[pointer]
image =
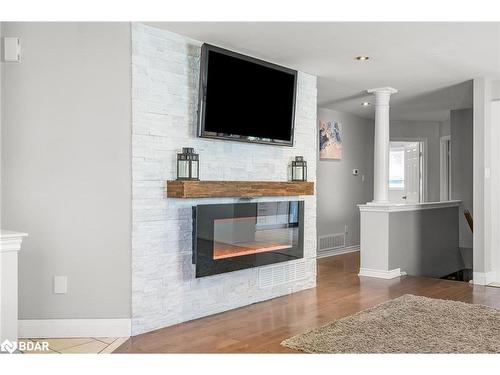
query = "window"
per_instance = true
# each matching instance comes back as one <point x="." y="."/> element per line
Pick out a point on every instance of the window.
<point x="397" y="168"/>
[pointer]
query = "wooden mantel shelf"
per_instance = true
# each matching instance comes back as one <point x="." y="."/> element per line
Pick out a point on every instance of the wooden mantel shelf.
<point x="244" y="189"/>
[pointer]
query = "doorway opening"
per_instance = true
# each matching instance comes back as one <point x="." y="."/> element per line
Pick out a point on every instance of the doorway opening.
<point x="407" y="172"/>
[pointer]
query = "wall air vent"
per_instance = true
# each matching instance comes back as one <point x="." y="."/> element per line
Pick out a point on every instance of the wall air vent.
<point x="331" y="242"/>
<point x="281" y="274"/>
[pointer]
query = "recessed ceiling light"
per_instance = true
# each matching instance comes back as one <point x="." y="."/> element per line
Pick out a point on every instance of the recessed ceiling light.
<point x="362" y="58"/>
<point x="366" y="104"/>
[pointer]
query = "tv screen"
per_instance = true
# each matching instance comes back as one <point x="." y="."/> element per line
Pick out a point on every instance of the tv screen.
<point x="245" y="99"/>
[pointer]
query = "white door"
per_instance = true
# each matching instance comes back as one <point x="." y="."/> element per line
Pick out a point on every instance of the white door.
<point x="405" y="180"/>
<point x="412" y="172"/>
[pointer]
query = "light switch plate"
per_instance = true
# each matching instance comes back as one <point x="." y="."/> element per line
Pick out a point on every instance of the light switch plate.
<point x="60" y="284"/>
<point x="11" y="49"/>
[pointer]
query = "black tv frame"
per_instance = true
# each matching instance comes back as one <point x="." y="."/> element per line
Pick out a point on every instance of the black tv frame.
<point x="205" y="49"/>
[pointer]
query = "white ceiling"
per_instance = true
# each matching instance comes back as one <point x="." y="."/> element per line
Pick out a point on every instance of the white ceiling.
<point x="427" y="62"/>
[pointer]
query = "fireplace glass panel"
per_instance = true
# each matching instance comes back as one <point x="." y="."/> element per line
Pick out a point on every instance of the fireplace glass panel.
<point x="272" y="229"/>
<point x="227" y="237"/>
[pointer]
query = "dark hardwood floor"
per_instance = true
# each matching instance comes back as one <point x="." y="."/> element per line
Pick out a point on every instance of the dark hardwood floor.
<point x="260" y="328"/>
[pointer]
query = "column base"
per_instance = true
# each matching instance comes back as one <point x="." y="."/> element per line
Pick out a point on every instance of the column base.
<point x="380" y="274"/>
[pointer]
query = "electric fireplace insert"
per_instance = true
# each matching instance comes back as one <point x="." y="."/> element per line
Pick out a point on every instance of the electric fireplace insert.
<point x="235" y="236"/>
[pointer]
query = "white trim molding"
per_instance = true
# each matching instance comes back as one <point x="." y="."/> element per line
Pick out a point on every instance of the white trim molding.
<point x="64" y="328"/>
<point x="444" y="168"/>
<point x="483" y="278"/>
<point x="380" y="274"/>
<point x="339" y="251"/>
<point x="398" y="207"/>
<point x="11" y="241"/>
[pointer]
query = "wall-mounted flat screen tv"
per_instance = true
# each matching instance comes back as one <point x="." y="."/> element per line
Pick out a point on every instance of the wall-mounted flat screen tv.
<point x="245" y="99"/>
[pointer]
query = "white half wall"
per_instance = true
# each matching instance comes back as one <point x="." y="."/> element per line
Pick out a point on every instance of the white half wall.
<point x="416" y="239"/>
<point x="165" y="71"/>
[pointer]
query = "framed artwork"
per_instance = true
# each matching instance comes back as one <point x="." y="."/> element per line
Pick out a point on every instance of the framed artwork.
<point x="330" y="140"/>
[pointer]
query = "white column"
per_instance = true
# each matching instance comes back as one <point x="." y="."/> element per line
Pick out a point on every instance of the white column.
<point x="381" y="144"/>
<point x="10" y="244"/>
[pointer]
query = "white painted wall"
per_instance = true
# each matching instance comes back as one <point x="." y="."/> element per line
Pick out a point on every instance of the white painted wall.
<point x="495" y="90"/>
<point x="495" y="178"/>
<point x="66" y="166"/>
<point x="1" y="119"/>
<point x="462" y="171"/>
<point x="485" y="167"/>
<point x="425" y="242"/>
<point x="339" y="192"/>
<point x="444" y="128"/>
<point x="482" y="264"/>
<point x="486" y="93"/>
<point x="165" y="70"/>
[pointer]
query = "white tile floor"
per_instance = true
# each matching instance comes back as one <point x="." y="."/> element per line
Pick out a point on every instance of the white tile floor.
<point x="81" y="345"/>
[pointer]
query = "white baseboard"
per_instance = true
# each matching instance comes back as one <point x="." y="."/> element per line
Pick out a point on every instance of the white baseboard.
<point x="64" y="328"/>
<point x="484" y="278"/>
<point x="333" y="252"/>
<point x="381" y="274"/>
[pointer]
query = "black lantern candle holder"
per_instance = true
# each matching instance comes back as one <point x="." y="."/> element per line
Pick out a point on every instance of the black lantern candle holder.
<point x="188" y="165"/>
<point x="299" y="169"/>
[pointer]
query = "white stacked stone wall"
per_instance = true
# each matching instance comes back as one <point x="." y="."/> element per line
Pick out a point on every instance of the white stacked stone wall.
<point x="165" y="72"/>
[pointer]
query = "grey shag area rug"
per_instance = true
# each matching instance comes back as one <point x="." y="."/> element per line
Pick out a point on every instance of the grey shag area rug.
<point x="408" y="324"/>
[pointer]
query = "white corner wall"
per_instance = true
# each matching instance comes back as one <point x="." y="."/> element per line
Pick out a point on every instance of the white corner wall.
<point x="481" y="114"/>
<point x="165" y="71"/>
<point x="485" y="180"/>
